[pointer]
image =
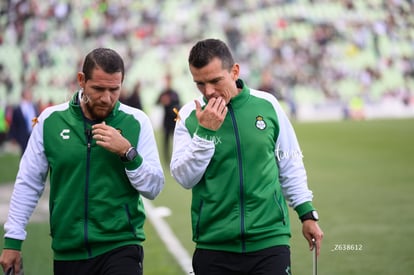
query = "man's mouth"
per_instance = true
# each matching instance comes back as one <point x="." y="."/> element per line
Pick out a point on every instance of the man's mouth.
<point x="103" y="108"/>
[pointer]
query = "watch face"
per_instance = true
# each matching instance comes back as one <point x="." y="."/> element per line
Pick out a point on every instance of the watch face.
<point x="131" y="154"/>
<point x="315" y="215"/>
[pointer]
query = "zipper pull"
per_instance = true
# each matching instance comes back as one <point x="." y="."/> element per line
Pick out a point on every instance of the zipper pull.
<point x="88" y="134"/>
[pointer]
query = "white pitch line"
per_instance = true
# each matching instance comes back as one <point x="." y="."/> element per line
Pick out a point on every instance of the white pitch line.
<point x="170" y="240"/>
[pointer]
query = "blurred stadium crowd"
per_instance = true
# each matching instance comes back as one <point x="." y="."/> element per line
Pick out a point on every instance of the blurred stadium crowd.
<point x="334" y="57"/>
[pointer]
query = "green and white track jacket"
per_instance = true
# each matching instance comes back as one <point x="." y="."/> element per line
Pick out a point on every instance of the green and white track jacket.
<point x="241" y="174"/>
<point x="95" y="198"/>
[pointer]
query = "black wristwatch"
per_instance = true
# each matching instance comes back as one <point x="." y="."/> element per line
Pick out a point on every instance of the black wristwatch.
<point x="130" y="155"/>
<point x="313" y="215"/>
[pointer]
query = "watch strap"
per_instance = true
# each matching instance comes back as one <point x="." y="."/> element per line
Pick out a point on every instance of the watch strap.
<point x="310" y="216"/>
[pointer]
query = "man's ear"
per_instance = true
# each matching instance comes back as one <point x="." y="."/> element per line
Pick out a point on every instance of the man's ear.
<point x="235" y="71"/>
<point x="81" y="79"/>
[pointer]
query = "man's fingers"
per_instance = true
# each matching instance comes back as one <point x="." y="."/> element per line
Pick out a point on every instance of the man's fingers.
<point x="312" y="244"/>
<point x="198" y="106"/>
<point x="318" y="246"/>
<point x="216" y="102"/>
<point x="315" y="244"/>
<point x="223" y="109"/>
<point x="218" y="105"/>
<point x="101" y="126"/>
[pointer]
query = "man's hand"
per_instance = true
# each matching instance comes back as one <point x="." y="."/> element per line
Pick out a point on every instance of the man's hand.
<point x="213" y="115"/>
<point x="311" y="230"/>
<point x="110" y="138"/>
<point x="11" y="259"/>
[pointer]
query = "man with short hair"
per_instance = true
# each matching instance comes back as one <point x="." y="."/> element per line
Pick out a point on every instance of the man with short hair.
<point x="101" y="157"/>
<point x="238" y="152"/>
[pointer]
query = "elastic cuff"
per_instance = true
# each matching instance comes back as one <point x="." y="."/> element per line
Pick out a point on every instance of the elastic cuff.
<point x="304" y="208"/>
<point x="205" y="133"/>
<point x="13" y="244"/>
<point x="132" y="165"/>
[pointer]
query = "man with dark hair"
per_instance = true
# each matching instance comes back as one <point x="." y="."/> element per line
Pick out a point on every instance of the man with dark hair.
<point x="101" y="157"/>
<point x="238" y="152"/>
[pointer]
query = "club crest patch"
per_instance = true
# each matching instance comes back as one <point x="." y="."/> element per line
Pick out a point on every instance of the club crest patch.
<point x="260" y="123"/>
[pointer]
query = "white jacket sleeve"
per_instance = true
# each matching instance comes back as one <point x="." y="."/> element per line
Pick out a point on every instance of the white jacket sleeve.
<point x="292" y="173"/>
<point x="147" y="178"/>
<point x="29" y="185"/>
<point x="191" y="155"/>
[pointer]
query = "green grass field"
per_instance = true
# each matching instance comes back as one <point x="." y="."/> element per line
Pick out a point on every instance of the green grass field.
<point x="362" y="177"/>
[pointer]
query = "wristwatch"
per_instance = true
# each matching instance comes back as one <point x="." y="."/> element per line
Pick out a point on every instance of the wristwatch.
<point x="130" y="154"/>
<point x="312" y="215"/>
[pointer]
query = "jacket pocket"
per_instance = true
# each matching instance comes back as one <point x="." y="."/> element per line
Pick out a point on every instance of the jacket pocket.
<point x="128" y="215"/>
<point x="197" y="225"/>
<point x="279" y="203"/>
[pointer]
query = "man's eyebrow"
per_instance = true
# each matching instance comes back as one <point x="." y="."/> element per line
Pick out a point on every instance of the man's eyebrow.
<point x="99" y="87"/>
<point x="213" y="80"/>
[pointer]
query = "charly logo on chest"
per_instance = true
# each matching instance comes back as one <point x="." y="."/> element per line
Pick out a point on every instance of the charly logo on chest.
<point x="64" y="134"/>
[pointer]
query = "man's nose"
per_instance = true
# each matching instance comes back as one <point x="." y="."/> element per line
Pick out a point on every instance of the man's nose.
<point x="209" y="90"/>
<point x="106" y="96"/>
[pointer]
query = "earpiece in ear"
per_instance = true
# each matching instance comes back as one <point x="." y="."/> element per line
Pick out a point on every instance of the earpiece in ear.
<point x="84" y="98"/>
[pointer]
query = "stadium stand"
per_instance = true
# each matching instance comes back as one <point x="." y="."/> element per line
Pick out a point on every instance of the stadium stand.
<point x="323" y="55"/>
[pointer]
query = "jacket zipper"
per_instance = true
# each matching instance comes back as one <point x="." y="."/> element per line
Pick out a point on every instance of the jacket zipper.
<point x="240" y="164"/>
<point x="88" y="160"/>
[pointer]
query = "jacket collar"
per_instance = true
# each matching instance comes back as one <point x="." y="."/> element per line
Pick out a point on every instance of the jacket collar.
<point x="242" y="97"/>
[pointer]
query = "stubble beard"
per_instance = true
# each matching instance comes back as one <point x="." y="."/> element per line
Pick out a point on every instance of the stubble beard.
<point x="95" y="113"/>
